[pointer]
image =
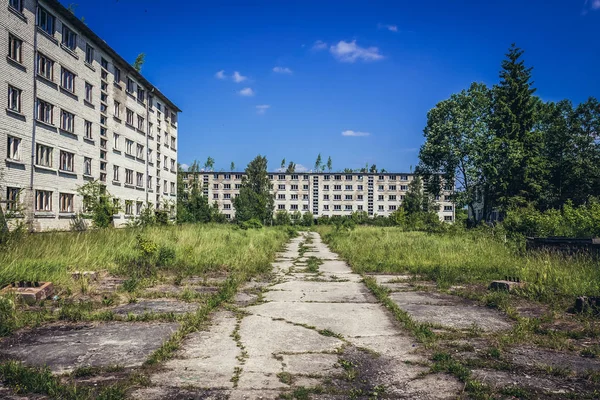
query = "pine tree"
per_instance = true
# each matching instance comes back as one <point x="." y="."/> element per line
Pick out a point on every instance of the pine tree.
<point x="517" y="173"/>
<point x="318" y="163"/>
<point x="255" y="199"/>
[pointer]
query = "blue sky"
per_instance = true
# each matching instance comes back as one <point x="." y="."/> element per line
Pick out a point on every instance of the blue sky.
<point x="286" y="79"/>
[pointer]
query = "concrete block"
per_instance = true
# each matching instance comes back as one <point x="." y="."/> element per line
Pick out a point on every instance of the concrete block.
<point x="30" y="292"/>
<point x="506" y="286"/>
<point x="89" y="275"/>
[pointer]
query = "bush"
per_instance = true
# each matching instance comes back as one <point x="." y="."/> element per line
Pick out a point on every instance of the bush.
<point x="8" y="317"/>
<point x="307" y="219"/>
<point x="251" y="224"/>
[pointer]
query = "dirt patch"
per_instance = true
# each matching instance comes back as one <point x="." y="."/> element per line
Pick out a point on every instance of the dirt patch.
<point x="561" y="362"/>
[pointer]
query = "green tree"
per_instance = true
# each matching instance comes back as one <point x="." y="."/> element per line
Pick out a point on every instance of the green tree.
<point x="414" y="197"/>
<point x="283" y="164"/>
<point x="209" y="163"/>
<point x="291" y="168"/>
<point x="139" y="62"/>
<point x="318" y="163"/>
<point x="329" y="164"/>
<point x="192" y="205"/>
<point x="458" y="145"/>
<point x="373" y="169"/>
<point x="255" y="199"/>
<point x="282" y="218"/>
<point x="307" y="219"/>
<point x="232" y="166"/>
<point x="517" y="169"/>
<point x="98" y="202"/>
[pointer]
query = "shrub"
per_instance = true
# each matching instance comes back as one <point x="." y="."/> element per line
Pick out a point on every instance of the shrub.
<point x="307" y="219"/>
<point x="251" y="224"/>
<point x="8" y="318"/>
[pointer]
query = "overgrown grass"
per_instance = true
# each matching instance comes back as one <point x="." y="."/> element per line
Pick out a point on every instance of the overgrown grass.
<point x="198" y="249"/>
<point x="465" y="257"/>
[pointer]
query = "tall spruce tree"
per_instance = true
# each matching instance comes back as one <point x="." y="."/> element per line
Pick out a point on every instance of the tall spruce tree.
<point x="255" y="199"/>
<point x="518" y="169"/>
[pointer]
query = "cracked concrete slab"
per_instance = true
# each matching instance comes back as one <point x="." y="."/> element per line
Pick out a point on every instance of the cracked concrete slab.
<point x="207" y="359"/>
<point x="157" y="306"/>
<point x="331" y="292"/>
<point x="450" y="311"/>
<point x="63" y="348"/>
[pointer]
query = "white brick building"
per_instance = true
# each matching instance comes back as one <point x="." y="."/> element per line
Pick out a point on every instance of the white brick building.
<point x="75" y="111"/>
<point x="321" y="193"/>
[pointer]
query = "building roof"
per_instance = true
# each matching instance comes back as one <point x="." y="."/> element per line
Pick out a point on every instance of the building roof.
<point x="77" y="23"/>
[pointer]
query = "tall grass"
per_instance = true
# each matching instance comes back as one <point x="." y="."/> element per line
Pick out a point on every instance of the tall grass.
<point x="198" y="249"/>
<point x="463" y="257"/>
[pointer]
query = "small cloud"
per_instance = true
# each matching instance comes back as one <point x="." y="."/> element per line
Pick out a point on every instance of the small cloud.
<point x="319" y="45"/>
<point x="184" y="167"/>
<point x="350" y="52"/>
<point x="237" y="77"/>
<point x="246" y="92"/>
<point x="282" y="70"/>
<point x="220" y="74"/>
<point x="262" y="108"/>
<point x="301" y="168"/>
<point x="391" y="28"/>
<point x="355" y="133"/>
<point x="590" y="5"/>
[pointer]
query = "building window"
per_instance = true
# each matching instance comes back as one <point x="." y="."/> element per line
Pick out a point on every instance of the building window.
<point x="116" y="173"/>
<point x="140" y="151"/>
<point x="227" y="206"/>
<point x="173" y="170"/>
<point x="128" y="207"/>
<point x="45" y="67"/>
<point x="116" y="141"/>
<point x="44" y="111"/>
<point x="359" y="197"/>
<point x="337" y="187"/>
<point x="88" y="130"/>
<point x="67" y="80"/>
<point x="138" y="207"/>
<point x="128" y="176"/>
<point x="380" y="197"/>
<point x="16" y="4"/>
<point x="173" y="144"/>
<point x="150" y="156"/>
<point x="14" y="99"/>
<point x="172" y="188"/>
<point x="87" y="166"/>
<point x="117" y="109"/>
<point x="45" y="20"/>
<point x="348" y="197"/>
<point x="15" y="48"/>
<point x="281" y="206"/>
<point x="326" y="207"/>
<point x="66" y="202"/>
<point x="381" y="208"/>
<point x="326" y="177"/>
<point x="359" y="187"/>
<point x="14" y="148"/>
<point x="43" y="156"/>
<point x="337" y="197"/>
<point x="359" y="207"/>
<point x="294" y="197"/>
<point x="447" y="208"/>
<point x="348" y="187"/>
<point x="129" y="117"/>
<point x="89" y="92"/>
<point x="141" y="94"/>
<point x="325" y="187"/>
<point x="139" y="179"/>
<point x="130" y="85"/>
<point x="140" y="123"/>
<point x="117" y="75"/>
<point x="89" y="53"/>
<point x="325" y="197"/>
<point x="12" y="198"/>
<point x="403" y="187"/>
<point x="66" y="161"/>
<point x="447" y="217"/>
<point x="67" y="121"/>
<point x="348" y="177"/>
<point x="128" y="147"/>
<point x="69" y="38"/>
<point x="392" y="208"/>
<point x="337" y="207"/>
<point x="348" y="207"/>
<point x="43" y="200"/>
<point x="403" y="177"/>
<point x="104" y="63"/>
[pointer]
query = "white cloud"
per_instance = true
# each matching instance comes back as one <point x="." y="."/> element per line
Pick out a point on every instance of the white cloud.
<point x="355" y="133"/>
<point x="282" y="70"/>
<point x="596" y="5"/>
<point x="184" y="167"/>
<point x="246" y="92"/>
<point x="262" y="108"/>
<point x="237" y="77"/>
<point x="319" y="45"/>
<point x="350" y="52"/>
<point x="391" y="28"/>
<point x="220" y="74"/>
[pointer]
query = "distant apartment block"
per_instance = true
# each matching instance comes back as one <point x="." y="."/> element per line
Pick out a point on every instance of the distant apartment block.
<point x="75" y="111"/>
<point x="322" y="194"/>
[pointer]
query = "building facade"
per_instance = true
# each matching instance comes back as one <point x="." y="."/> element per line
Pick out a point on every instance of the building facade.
<point x="75" y="112"/>
<point x="322" y="194"/>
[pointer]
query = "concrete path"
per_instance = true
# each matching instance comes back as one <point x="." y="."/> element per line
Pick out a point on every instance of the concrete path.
<point x="316" y="329"/>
